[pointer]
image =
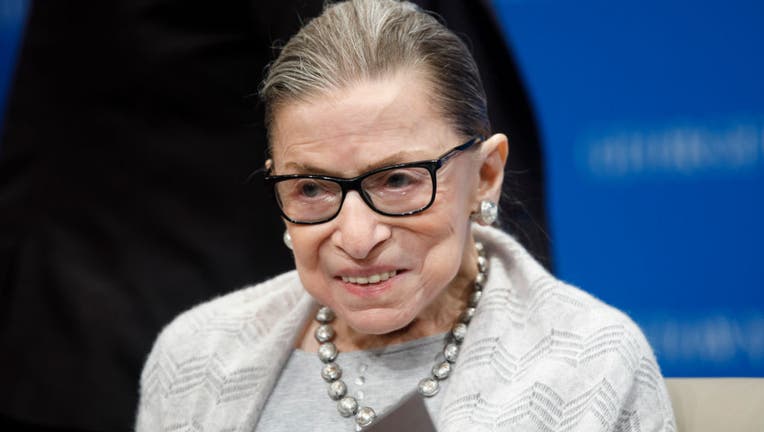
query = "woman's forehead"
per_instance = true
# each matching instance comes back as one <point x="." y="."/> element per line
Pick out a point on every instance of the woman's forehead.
<point x="376" y="122"/>
<point x="397" y="102"/>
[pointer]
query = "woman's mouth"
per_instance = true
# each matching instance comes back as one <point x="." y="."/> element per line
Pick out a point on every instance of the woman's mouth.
<point x="369" y="279"/>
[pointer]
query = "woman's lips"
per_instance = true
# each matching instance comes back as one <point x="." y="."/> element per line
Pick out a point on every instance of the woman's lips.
<point x="365" y="286"/>
<point x="371" y="279"/>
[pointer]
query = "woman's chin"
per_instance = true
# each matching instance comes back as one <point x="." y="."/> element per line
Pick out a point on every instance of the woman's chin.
<point x="376" y="323"/>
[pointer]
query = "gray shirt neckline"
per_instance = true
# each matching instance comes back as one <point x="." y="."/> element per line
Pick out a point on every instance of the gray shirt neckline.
<point x="383" y="376"/>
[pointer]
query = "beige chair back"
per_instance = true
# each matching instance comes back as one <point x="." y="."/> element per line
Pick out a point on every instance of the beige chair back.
<point x="718" y="404"/>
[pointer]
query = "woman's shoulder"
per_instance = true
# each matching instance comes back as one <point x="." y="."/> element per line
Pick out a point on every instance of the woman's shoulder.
<point x="564" y="305"/>
<point x="599" y="327"/>
<point x="533" y="296"/>
<point x="536" y="308"/>
<point x="242" y="316"/>
<point x="540" y="335"/>
<point x="227" y="349"/>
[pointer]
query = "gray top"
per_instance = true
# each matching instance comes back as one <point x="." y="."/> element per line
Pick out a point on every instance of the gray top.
<point x="378" y="378"/>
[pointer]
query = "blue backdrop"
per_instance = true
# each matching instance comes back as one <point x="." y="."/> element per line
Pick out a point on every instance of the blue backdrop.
<point x="652" y="117"/>
<point x="12" y="17"/>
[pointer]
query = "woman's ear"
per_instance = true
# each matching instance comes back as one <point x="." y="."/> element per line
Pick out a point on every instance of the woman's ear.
<point x="493" y="153"/>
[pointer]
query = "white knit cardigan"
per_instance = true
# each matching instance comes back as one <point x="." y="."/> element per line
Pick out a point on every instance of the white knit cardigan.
<point x="540" y="355"/>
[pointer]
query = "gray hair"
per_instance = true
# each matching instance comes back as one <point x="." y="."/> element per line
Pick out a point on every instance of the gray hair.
<point x="361" y="40"/>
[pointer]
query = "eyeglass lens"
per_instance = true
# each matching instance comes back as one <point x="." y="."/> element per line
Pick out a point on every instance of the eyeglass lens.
<point x="394" y="191"/>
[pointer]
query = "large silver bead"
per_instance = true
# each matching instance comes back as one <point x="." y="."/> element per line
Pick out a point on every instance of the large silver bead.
<point x="327" y="352"/>
<point x="467" y="315"/>
<point x="428" y="387"/>
<point x="475" y="298"/>
<point x="324" y="333"/>
<point x="480" y="248"/>
<point x="365" y="416"/>
<point x="480" y="280"/>
<point x="482" y="264"/>
<point x="331" y="372"/>
<point x="325" y="315"/>
<point x="337" y="390"/>
<point x="442" y="370"/>
<point x="459" y="332"/>
<point x="347" y="406"/>
<point x="451" y="352"/>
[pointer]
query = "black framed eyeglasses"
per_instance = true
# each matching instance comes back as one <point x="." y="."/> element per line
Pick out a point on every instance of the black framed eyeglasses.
<point x="397" y="190"/>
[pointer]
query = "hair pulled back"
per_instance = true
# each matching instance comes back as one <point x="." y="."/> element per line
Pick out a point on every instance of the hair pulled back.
<point x="359" y="40"/>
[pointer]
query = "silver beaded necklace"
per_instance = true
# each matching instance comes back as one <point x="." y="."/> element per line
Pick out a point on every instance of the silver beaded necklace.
<point x="428" y="387"/>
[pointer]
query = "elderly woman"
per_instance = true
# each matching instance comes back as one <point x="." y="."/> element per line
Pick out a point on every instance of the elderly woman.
<point x="387" y="176"/>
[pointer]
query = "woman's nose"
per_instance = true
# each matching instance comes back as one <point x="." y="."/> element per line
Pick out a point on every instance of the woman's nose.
<point x="359" y="228"/>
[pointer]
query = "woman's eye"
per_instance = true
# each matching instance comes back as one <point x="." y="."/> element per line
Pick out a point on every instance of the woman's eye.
<point x="398" y="180"/>
<point x="305" y="189"/>
<point x="309" y="189"/>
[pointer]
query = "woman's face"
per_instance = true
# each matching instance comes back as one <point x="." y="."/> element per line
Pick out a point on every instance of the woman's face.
<point x="347" y="133"/>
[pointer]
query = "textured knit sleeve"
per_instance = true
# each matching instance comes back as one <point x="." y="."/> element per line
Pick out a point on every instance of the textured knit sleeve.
<point x="553" y="358"/>
<point x="212" y="368"/>
<point x="613" y="380"/>
<point x="647" y="406"/>
<point x="542" y="355"/>
<point x="150" y="409"/>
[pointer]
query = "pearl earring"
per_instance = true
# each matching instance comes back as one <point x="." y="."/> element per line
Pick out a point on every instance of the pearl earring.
<point x="488" y="213"/>
<point x="287" y="240"/>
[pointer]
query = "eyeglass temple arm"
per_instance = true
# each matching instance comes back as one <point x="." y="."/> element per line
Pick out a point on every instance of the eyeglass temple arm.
<point x="454" y="151"/>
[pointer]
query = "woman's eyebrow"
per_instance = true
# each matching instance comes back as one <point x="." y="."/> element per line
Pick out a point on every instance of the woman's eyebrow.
<point x="402" y="156"/>
<point x="300" y="168"/>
